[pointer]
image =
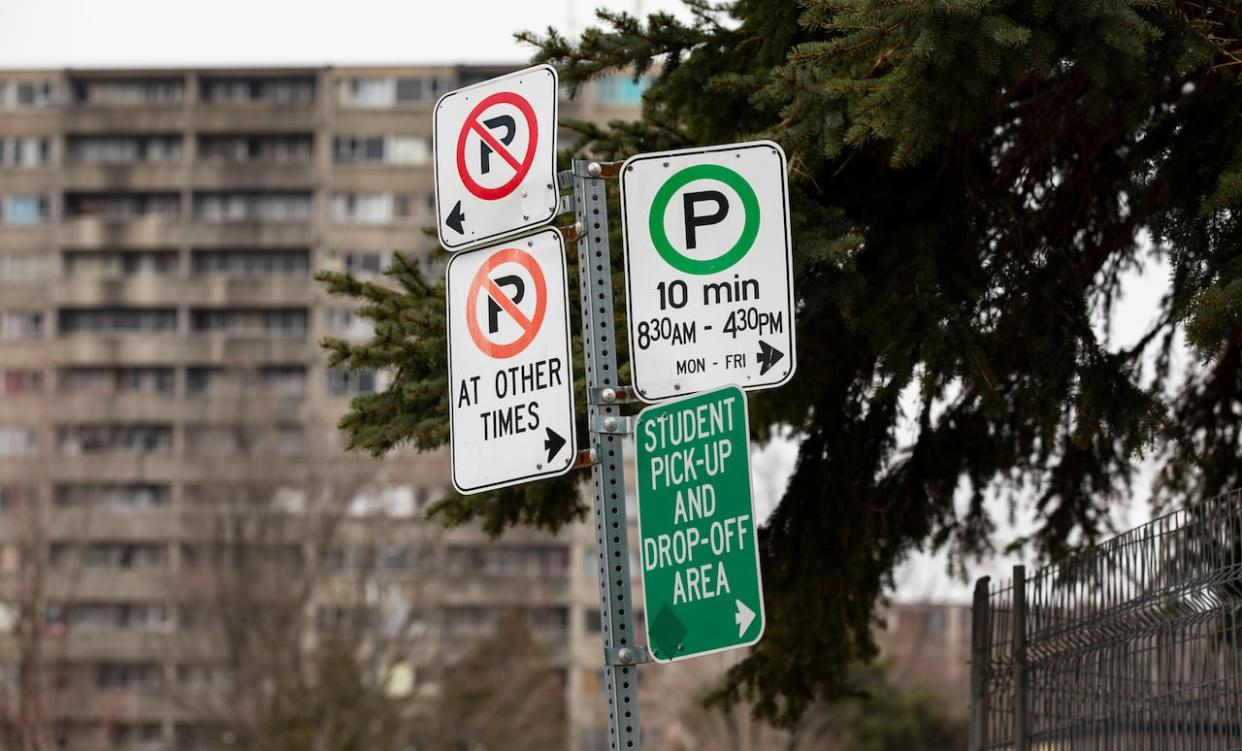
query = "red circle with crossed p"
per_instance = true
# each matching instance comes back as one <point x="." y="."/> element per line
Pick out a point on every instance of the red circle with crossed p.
<point x="520" y="167"/>
<point x="483" y="282"/>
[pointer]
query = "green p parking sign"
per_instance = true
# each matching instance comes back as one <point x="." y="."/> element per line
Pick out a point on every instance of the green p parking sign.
<point x="696" y="520"/>
<point x="708" y="269"/>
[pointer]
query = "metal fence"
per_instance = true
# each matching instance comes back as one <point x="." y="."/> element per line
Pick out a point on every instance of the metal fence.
<point x="1134" y="644"/>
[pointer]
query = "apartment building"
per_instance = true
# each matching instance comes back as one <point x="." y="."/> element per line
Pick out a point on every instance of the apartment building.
<point x="158" y="346"/>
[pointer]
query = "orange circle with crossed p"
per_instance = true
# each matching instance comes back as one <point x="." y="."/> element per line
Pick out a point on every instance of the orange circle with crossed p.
<point x="484" y="284"/>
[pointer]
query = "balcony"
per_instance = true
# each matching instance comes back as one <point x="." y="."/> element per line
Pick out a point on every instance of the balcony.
<point x="118" y="645"/>
<point x="251" y="234"/>
<point x="252" y="291"/>
<point x="114" y="468"/>
<point x="155" y="176"/>
<point x="128" y="407"/>
<point x="27" y="236"/>
<point x="130" y="118"/>
<point x="219" y="174"/>
<point x="390" y="178"/>
<point x="105" y="583"/>
<point x="255" y="117"/>
<point x="98" y="524"/>
<point x="151" y="289"/>
<point x="142" y="232"/>
<point x="86" y="703"/>
<point x="23" y="122"/>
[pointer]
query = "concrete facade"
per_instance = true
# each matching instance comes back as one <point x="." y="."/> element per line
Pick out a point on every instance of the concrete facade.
<point x="158" y="233"/>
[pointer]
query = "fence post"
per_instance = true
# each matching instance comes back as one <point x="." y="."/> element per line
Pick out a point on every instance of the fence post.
<point x="980" y="640"/>
<point x="1021" y="732"/>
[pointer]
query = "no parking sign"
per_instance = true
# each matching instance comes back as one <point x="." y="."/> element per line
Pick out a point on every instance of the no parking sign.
<point x="511" y="403"/>
<point x="495" y="158"/>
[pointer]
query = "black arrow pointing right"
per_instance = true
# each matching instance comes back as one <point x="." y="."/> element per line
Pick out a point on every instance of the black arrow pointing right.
<point x="767" y="357"/>
<point x="456" y="218"/>
<point x="553" y="443"/>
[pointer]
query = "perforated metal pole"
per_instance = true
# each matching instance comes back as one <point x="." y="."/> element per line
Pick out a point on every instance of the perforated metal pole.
<point x="599" y="339"/>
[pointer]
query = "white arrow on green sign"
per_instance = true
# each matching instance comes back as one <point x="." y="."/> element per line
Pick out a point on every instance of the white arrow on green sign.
<point x="696" y="520"/>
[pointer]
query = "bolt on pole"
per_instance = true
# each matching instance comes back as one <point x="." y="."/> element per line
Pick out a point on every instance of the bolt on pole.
<point x="621" y="654"/>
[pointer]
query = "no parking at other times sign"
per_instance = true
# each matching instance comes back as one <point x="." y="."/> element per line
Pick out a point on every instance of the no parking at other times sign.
<point x="696" y="519"/>
<point x="495" y="158"/>
<point x="708" y="269"/>
<point x="511" y="405"/>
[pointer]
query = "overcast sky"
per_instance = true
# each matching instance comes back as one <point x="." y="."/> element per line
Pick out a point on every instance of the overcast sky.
<point x="116" y="33"/>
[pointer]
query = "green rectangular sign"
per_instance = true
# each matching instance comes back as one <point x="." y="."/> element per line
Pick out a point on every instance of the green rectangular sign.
<point x="696" y="520"/>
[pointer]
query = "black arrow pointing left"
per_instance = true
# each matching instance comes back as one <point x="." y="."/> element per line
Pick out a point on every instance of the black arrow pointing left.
<point x="553" y="444"/>
<point x="456" y="219"/>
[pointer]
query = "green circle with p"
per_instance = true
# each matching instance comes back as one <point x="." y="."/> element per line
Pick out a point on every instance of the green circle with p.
<point x="664" y="196"/>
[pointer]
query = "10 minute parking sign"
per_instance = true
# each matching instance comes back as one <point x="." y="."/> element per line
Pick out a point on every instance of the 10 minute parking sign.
<point x="708" y="269"/>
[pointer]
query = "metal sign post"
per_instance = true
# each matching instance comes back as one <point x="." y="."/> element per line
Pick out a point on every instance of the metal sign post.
<point x="607" y="426"/>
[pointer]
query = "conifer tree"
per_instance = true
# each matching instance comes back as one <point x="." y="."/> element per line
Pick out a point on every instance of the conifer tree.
<point x="970" y="182"/>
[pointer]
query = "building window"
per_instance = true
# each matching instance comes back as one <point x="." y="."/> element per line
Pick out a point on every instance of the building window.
<point x="26" y="266"/>
<point x="25" y="210"/>
<point x="108" y="555"/>
<point x="15" y="497"/>
<point x="362" y="208"/>
<point x="120" y="263"/>
<point x="250" y="321"/>
<point x="367" y="92"/>
<point x="20" y="325"/>
<point x="117" y="320"/>
<point x="113" y="497"/>
<point x="123" y="149"/>
<point x="31" y="151"/>
<point x="621" y="89"/>
<point x="408" y="150"/>
<point x="421" y="89"/>
<point x="122" y="206"/>
<point x="252" y="262"/>
<point x="381" y="208"/>
<point x="284" y="380"/>
<point x="113" y="438"/>
<point x="114" y="616"/>
<point x="260" y="90"/>
<point x="18" y="441"/>
<point x="362" y="262"/>
<point x="247" y="148"/>
<point x="245" y="440"/>
<point x="350" y="382"/>
<point x="271" y="380"/>
<point x="27" y="95"/>
<point x="129" y="91"/>
<point x="133" y="677"/>
<point x="20" y="382"/>
<point x="344" y="322"/>
<point x="234" y="207"/>
<point x="109" y="381"/>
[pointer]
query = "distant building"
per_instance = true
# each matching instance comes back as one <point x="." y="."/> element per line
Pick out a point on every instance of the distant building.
<point x="158" y="233"/>
<point x="929" y="646"/>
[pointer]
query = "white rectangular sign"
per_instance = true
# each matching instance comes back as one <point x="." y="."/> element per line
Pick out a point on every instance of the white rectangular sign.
<point x="495" y="158"/>
<point x="511" y="374"/>
<point x="708" y="269"/>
